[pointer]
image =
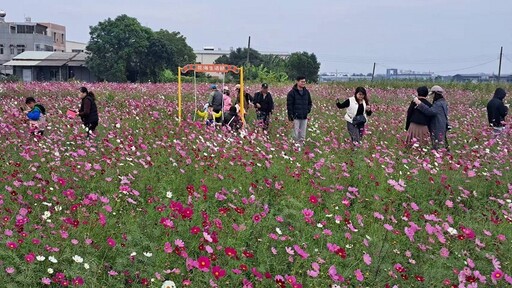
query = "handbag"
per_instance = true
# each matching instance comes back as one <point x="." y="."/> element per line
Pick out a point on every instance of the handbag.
<point x="359" y="120"/>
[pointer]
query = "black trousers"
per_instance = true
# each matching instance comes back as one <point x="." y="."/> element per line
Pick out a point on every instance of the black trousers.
<point x="91" y="127"/>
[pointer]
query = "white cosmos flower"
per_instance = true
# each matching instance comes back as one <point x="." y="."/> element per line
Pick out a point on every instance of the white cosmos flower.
<point x="50" y="271"/>
<point x="148" y="254"/>
<point x="86" y="266"/>
<point x="78" y="259"/>
<point x="168" y="194"/>
<point x="52" y="259"/>
<point x="278" y="231"/>
<point x="40" y="258"/>
<point x="168" y="284"/>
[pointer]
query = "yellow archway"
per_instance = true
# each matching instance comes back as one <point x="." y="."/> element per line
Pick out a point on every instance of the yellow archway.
<point x="212" y="68"/>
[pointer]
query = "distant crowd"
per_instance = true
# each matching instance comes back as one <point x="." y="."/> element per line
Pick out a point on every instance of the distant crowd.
<point x="427" y="123"/>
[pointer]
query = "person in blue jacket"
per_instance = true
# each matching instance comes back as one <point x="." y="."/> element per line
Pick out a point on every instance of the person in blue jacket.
<point x="36" y="116"/>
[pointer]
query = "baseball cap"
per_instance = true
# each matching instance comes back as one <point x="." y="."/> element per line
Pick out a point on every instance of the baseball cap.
<point x="264" y="85"/>
<point x="213" y="86"/>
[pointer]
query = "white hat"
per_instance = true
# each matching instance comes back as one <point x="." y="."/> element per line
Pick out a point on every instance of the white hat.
<point x="436" y="89"/>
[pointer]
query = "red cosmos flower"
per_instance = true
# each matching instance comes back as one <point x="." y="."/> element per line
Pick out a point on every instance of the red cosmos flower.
<point x="145" y="281"/>
<point x="230" y="252"/>
<point x="419" y="278"/>
<point x="190" y="189"/>
<point x="248" y="254"/>
<point x="341" y="252"/>
<point x="223" y="210"/>
<point x="187" y="213"/>
<point x="405" y="276"/>
<point x="313" y="199"/>
<point x="244" y="267"/>
<point x="30" y="258"/>
<point x="218" y="272"/>
<point x="11" y="245"/>
<point x="195" y="230"/>
<point x="203" y="263"/>
<point x="77" y="281"/>
<point x="239" y="210"/>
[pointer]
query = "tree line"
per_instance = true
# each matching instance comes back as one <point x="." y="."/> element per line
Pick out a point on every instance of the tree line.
<point x="123" y="50"/>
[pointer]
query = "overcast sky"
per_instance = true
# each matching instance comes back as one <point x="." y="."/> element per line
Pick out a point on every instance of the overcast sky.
<point x="442" y="36"/>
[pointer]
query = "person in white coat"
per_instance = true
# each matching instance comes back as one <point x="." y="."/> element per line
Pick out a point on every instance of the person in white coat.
<point x="358" y="108"/>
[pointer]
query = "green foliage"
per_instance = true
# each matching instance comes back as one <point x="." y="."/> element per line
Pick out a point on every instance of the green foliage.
<point x="123" y="50"/>
<point x="305" y="64"/>
<point x="9" y="79"/>
<point x="238" y="57"/>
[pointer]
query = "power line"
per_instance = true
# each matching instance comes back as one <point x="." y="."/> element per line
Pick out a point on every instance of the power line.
<point x="465" y="68"/>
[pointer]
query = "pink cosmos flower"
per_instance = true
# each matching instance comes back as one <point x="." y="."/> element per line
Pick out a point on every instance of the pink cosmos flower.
<point x="301" y="252"/>
<point x="111" y="242"/>
<point x="359" y="275"/>
<point x="46" y="281"/>
<point x="30" y="258"/>
<point x="308" y="213"/>
<point x="367" y="259"/>
<point x="497" y="275"/>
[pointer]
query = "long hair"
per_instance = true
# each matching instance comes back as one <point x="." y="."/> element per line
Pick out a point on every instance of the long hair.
<point x="363" y="91"/>
<point x="89" y="93"/>
<point x="437" y="96"/>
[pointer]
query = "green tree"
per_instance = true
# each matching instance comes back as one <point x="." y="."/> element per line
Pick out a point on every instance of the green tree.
<point x="166" y="50"/>
<point x="238" y="57"/>
<point x="123" y="50"/>
<point x="117" y="48"/>
<point x="303" y="63"/>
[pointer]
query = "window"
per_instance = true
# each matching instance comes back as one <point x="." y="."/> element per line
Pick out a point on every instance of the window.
<point x="25" y="29"/>
<point x="37" y="47"/>
<point x="20" y="49"/>
<point x="12" y="49"/>
<point x="1" y="49"/>
<point x="62" y="39"/>
<point x="13" y="29"/>
<point x="54" y="37"/>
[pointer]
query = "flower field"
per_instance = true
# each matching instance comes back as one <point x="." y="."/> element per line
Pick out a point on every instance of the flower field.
<point x="150" y="202"/>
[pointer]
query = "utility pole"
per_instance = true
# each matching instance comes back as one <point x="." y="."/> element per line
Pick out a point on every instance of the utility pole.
<point x="373" y="73"/>
<point x="499" y="68"/>
<point x="248" y="50"/>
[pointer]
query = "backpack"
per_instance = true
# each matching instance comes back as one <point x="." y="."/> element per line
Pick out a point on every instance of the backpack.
<point x="41" y="108"/>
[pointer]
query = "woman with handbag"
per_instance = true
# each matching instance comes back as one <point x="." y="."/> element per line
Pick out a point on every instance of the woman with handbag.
<point x="358" y="107"/>
<point x="439" y="117"/>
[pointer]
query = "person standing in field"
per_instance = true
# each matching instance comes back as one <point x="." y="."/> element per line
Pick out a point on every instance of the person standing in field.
<point x="226" y="98"/>
<point x="36" y="116"/>
<point x="497" y="111"/>
<point x="247" y="98"/>
<point x="264" y="105"/>
<point x="439" y="117"/>
<point x="88" y="111"/>
<point x="215" y="102"/>
<point x="358" y="107"/>
<point x="299" y="104"/>
<point x="417" y="122"/>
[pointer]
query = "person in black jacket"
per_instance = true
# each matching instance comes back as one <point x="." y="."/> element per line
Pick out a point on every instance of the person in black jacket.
<point x="496" y="111"/>
<point x="299" y="104"/>
<point x="88" y="110"/>
<point x="417" y="122"/>
<point x="264" y="105"/>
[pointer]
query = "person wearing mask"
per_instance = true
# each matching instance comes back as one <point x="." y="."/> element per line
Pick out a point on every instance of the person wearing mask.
<point x="439" y="117"/>
<point x="299" y="104"/>
<point x="417" y="122"/>
<point x="497" y="111"/>
<point x="358" y="107"/>
<point x="88" y="111"/>
<point x="264" y="105"/>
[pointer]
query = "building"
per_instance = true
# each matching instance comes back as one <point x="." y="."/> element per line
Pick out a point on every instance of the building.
<point x="73" y="46"/>
<point x="18" y="37"/>
<point x="51" y="66"/>
<point x="58" y="34"/>
<point x="408" y="75"/>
